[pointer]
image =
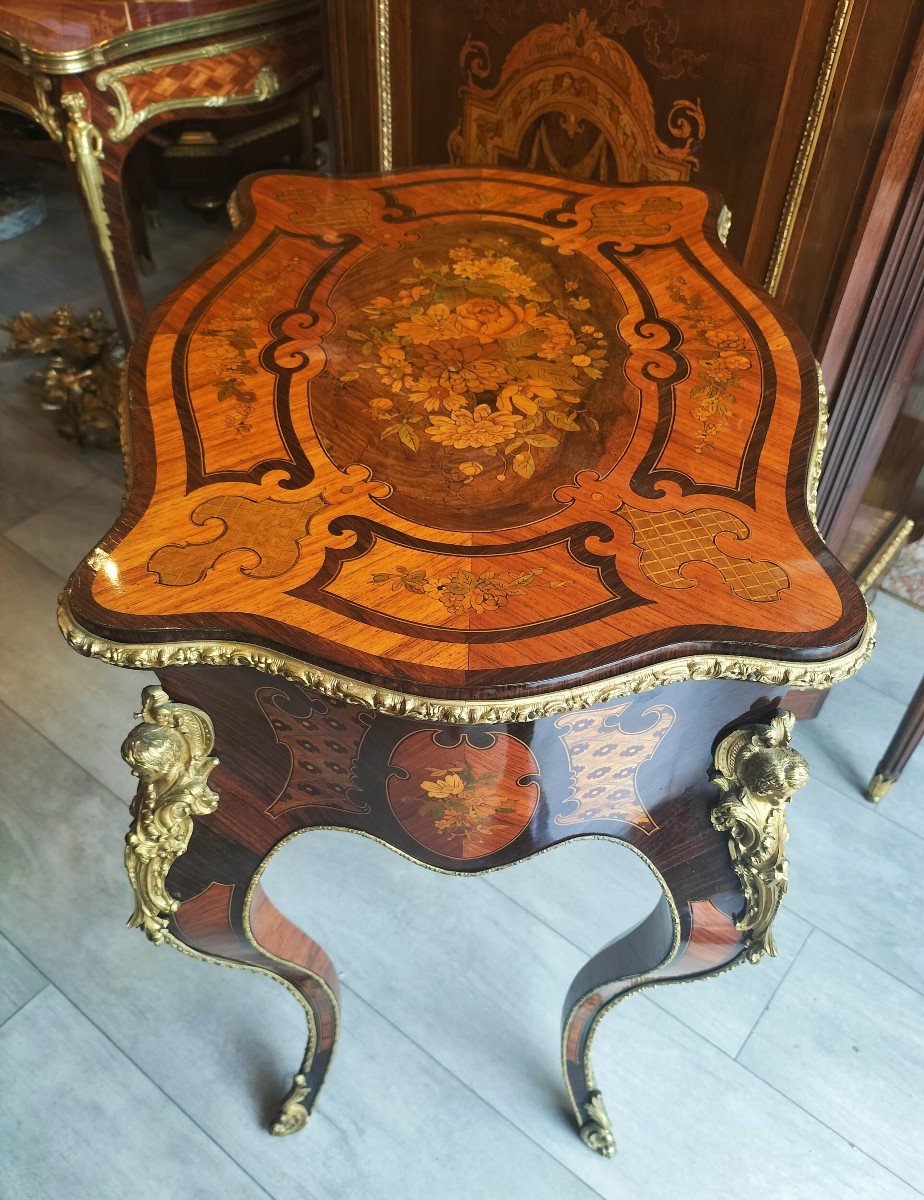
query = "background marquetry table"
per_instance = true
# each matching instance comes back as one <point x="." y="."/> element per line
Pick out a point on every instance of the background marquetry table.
<point x="473" y="512"/>
<point x="100" y="74"/>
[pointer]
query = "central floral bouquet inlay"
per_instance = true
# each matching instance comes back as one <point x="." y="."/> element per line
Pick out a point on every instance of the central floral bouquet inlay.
<point x="475" y="355"/>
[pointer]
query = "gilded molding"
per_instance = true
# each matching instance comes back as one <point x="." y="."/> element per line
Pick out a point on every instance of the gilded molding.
<point x="265" y="85"/>
<point x="151" y="656"/>
<point x="807" y="144"/>
<point x="756" y="772"/>
<point x="900" y="533"/>
<point x="293" y="1115"/>
<point x="168" y="33"/>
<point x="816" y="461"/>
<point x="596" y="1130"/>
<point x="86" y="149"/>
<point x="169" y="752"/>
<point x="723" y="224"/>
<point x="383" y="80"/>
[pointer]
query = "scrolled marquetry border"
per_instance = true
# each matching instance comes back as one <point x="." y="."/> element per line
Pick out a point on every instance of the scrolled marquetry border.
<point x="149" y="656"/>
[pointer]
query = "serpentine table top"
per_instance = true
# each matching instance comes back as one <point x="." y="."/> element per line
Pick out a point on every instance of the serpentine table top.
<point x="470" y="443"/>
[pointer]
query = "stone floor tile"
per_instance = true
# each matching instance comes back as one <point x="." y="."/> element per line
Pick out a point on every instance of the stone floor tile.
<point x="78" y="1119"/>
<point x="86" y="707"/>
<point x="19" y="980"/>
<point x="845" y="1041"/>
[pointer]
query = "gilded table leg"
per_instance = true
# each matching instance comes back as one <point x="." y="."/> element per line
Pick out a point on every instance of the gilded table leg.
<point x="96" y="165"/>
<point x="702" y="926"/>
<point x="224" y="916"/>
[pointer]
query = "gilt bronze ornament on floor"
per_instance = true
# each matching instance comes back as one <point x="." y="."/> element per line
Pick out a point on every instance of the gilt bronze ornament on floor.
<point x="473" y="511"/>
<point x="82" y="381"/>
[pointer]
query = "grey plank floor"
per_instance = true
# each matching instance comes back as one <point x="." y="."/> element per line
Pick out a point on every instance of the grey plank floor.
<point x="129" y="1070"/>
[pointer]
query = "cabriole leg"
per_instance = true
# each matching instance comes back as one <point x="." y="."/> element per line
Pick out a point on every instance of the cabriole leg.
<point x="698" y="928"/>
<point x="229" y="921"/>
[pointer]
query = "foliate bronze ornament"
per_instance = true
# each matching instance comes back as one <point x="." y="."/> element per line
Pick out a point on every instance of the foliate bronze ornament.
<point x="148" y="656"/>
<point x="85" y="148"/>
<point x="293" y="1115"/>
<point x="757" y="772"/>
<point x="169" y="752"/>
<point x="82" y="382"/>
<point x="596" y="1130"/>
<point x="42" y="111"/>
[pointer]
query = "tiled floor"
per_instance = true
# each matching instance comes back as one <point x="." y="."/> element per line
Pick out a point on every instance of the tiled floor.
<point x="126" y="1070"/>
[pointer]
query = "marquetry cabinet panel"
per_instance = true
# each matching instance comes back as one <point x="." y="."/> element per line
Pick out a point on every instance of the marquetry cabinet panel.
<point x="782" y="108"/>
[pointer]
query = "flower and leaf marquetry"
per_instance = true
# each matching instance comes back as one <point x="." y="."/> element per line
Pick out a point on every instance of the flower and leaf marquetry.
<point x="717" y="354"/>
<point x="465" y="590"/>
<point x="484" y="352"/>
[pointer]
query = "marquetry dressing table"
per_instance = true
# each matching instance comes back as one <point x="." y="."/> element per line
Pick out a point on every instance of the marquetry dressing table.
<point x="472" y="511"/>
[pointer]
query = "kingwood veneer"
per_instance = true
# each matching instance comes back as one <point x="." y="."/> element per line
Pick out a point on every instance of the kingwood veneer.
<point x="473" y="512"/>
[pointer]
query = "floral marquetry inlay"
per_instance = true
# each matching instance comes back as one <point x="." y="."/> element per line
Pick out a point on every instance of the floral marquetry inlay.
<point x="465" y="795"/>
<point x="480" y="367"/>
<point x="471" y="433"/>
<point x="477" y="354"/>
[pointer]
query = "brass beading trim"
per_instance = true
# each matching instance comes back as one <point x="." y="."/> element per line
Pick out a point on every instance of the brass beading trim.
<point x="808" y="143"/>
<point x="383" y="80"/>
<point x="900" y="533"/>
<point x="148" y="656"/>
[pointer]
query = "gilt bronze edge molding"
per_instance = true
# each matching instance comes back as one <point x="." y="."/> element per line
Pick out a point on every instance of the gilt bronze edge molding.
<point x="149" y="656"/>
<point x="72" y="62"/>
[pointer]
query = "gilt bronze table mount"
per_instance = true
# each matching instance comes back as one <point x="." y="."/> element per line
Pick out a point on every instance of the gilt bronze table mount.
<point x="472" y="512"/>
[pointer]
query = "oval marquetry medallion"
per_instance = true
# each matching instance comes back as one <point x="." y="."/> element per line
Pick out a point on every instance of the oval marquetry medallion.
<point x="459" y="797"/>
<point x="477" y="359"/>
